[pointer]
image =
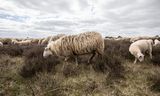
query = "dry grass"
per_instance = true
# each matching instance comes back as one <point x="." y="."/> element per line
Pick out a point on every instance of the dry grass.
<point x="24" y="72"/>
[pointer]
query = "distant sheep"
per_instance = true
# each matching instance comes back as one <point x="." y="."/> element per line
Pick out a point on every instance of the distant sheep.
<point x="14" y="41"/>
<point x="156" y="42"/>
<point x="26" y="42"/>
<point x="74" y="45"/>
<point x="1" y="44"/>
<point x="34" y="41"/>
<point x="139" y="48"/>
<point x="40" y="41"/>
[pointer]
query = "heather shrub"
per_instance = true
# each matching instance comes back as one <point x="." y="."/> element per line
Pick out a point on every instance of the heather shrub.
<point x="6" y="41"/>
<point x="119" y="48"/>
<point x="34" y="62"/>
<point x="70" y="70"/>
<point x="11" y="50"/>
<point x="156" y="55"/>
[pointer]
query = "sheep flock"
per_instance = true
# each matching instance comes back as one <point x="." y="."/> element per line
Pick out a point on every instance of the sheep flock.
<point x="66" y="46"/>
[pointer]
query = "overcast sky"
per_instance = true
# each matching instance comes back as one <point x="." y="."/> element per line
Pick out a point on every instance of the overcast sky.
<point x="40" y="18"/>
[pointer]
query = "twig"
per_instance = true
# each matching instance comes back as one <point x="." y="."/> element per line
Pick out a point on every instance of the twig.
<point x="43" y="94"/>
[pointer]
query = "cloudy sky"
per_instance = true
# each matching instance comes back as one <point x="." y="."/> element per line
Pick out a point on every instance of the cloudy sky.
<point x="40" y="18"/>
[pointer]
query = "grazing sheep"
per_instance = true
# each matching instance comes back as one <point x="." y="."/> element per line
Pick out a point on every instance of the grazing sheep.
<point x="34" y="41"/>
<point x="74" y="45"/>
<point x="40" y="41"/>
<point x="14" y="41"/>
<point x="26" y="42"/>
<point x="156" y="42"/>
<point x="53" y="38"/>
<point x="139" y="48"/>
<point x="1" y="44"/>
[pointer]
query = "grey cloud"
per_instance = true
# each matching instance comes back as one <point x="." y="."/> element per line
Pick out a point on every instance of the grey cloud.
<point x="46" y="6"/>
<point x="63" y="23"/>
<point x="110" y="17"/>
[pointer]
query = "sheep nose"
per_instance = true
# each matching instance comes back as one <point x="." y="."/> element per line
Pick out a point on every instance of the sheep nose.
<point x="44" y="56"/>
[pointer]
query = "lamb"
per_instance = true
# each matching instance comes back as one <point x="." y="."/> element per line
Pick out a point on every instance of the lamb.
<point x="139" y="47"/>
<point x="156" y="42"/>
<point x="1" y="44"/>
<point x="74" y="45"/>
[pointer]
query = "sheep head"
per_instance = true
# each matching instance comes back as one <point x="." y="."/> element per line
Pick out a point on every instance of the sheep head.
<point x="140" y="57"/>
<point x="47" y="52"/>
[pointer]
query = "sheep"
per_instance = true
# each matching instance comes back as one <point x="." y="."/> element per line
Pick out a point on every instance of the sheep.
<point x="14" y="41"/>
<point x="53" y="38"/>
<point x="34" y="41"/>
<point x="1" y="44"/>
<point x="139" y="47"/>
<point x="40" y="41"/>
<point x="26" y="42"/>
<point x="74" y="45"/>
<point x="156" y="42"/>
<point x="133" y="39"/>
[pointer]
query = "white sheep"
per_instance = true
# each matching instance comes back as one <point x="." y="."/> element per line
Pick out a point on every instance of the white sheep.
<point x="156" y="42"/>
<point x="14" y="41"/>
<point x="74" y="45"/>
<point x="34" y="41"/>
<point x="26" y="42"/>
<point x="133" y="39"/>
<point x="1" y="44"/>
<point x="139" y="48"/>
<point x="40" y="41"/>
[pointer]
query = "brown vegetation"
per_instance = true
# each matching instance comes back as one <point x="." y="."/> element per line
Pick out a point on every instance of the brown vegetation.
<point x="24" y="71"/>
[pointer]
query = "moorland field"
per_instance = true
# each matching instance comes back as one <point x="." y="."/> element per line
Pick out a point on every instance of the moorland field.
<point x="24" y="72"/>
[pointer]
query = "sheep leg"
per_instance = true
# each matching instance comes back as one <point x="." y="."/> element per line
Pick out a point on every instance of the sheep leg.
<point x="76" y="59"/>
<point x="65" y="61"/>
<point x="135" y="60"/>
<point x="100" y="53"/>
<point x="89" y="61"/>
<point x="150" y="53"/>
